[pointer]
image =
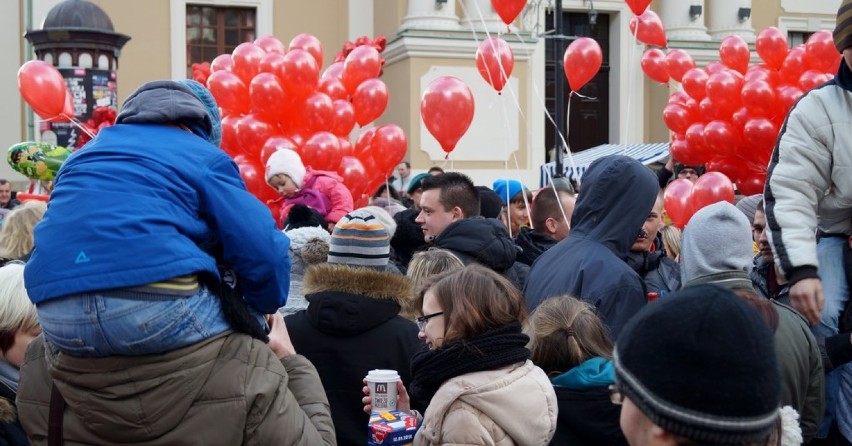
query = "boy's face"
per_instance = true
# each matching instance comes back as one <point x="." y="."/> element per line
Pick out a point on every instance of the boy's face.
<point x="285" y="186"/>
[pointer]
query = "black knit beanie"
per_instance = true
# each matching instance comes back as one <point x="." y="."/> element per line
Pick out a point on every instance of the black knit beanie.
<point x="490" y="203"/>
<point x="701" y="364"/>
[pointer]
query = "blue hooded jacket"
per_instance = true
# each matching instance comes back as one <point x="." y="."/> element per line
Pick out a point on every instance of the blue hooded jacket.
<point x="617" y="196"/>
<point x="144" y="202"/>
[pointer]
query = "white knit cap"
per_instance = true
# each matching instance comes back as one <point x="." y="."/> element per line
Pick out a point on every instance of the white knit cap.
<point x="286" y="162"/>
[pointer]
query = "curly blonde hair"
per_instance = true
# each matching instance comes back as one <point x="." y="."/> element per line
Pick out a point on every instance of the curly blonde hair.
<point x="16" y="237"/>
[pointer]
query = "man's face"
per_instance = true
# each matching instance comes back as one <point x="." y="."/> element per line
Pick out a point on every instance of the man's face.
<point x="688" y="173"/>
<point x="5" y="194"/>
<point x="638" y="429"/>
<point x="758" y="234"/>
<point x="651" y="226"/>
<point x="433" y="219"/>
<point x="847" y="55"/>
<point x="403" y="170"/>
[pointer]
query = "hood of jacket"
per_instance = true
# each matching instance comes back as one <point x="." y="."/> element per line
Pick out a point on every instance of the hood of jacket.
<point x="532" y="245"/>
<point x="617" y="195"/>
<point x="161" y="102"/>
<point x="347" y="300"/>
<point x="482" y="240"/>
<point x="594" y="372"/>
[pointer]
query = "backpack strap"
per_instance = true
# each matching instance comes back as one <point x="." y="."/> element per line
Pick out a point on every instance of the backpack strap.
<point x="55" y="419"/>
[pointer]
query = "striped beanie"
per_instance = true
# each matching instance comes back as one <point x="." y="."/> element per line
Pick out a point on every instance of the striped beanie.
<point x="843" y="31"/>
<point x="359" y="239"/>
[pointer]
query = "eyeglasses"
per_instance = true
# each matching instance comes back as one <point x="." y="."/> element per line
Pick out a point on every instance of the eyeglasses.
<point x="615" y="395"/>
<point x="423" y="320"/>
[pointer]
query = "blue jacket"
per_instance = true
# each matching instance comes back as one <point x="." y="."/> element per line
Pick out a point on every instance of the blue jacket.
<point x="145" y="202"/>
<point x="618" y="193"/>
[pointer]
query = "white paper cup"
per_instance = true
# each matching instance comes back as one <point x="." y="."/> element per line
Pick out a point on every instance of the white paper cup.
<point x="382" y="384"/>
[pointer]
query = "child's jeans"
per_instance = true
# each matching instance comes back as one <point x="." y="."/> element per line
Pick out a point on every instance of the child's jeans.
<point x="134" y="324"/>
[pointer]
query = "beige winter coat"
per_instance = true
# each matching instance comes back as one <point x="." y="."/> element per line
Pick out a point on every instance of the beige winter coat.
<point x="515" y="405"/>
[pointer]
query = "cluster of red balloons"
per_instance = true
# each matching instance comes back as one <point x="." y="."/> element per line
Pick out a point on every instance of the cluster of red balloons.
<point x="273" y="97"/>
<point x="44" y="89"/>
<point x="729" y="113"/>
<point x="683" y="198"/>
<point x="379" y="44"/>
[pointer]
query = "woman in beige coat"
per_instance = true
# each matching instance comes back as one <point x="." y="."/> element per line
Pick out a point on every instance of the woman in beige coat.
<point x="481" y="387"/>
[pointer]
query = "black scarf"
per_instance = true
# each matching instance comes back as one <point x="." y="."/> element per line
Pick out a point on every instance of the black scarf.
<point x="491" y="350"/>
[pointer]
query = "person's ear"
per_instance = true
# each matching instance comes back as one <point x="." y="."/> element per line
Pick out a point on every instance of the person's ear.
<point x="458" y="214"/>
<point x="550" y="225"/>
<point x="662" y="437"/>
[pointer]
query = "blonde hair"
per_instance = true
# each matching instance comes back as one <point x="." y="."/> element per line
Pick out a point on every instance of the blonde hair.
<point x="424" y="265"/>
<point x="671" y="236"/>
<point x="565" y="332"/>
<point x="17" y="312"/>
<point x="16" y="237"/>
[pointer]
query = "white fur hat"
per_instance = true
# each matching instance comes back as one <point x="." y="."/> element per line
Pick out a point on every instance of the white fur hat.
<point x="286" y="162"/>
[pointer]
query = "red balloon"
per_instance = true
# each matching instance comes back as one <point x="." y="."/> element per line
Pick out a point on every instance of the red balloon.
<point x="318" y="112"/>
<point x="695" y="83"/>
<point x="267" y="95"/>
<point x="272" y="62"/>
<point x="725" y="90"/>
<point x="68" y="110"/>
<point x="771" y="45"/>
<point x="253" y="175"/>
<point x="43" y="87"/>
<point x="363" y="63"/>
<point x="508" y="10"/>
<point x="733" y="168"/>
<point x="369" y="101"/>
<point x="300" y="73"/>
<point x="761" y="72"/>
<point x="230" y="92"/>
<point x="679" y="149"/>
<point x="364" y="143"/>
<point x="752" y="185"/>
<point x="230" y="144"/>
<point x="695" y="141"/>
<point x="794" y="65"/>
<point x="334" y="70"/>
<point x="820" y="52"/>
<point x="721" y="137"/>
<point x="346" y="148"/>
<point x="389" y="146"/>
<point x="759" y="137"/>
<point x="677" y="203"/>
<point x="309" y="43"/>
<point x="709" y="111"/>
<point x="322" y="151"/>
<point x="247" y="58"/>
<point x="252" y="133"/>
<point x="677" y="118"/>
<point x="811" y="79"/>
<point x="638" y="6"/>
<point x="739" y="119"/>
<point x="344" y="118"/>
<point x="333" y="87"/>
<point x="759" y="98"/>
<point x="648" y="29"/>
<point x="715" y="67"/>
<point x="274" y="144"/>
<point x="712" y="187"/>
<point x="354" y="175"/>
<point x="270" y="44"/>
<point x="495" y="61"/>
<point x="678" y="62"/>
<point x="678" y="97"/>
<point x="447" y="107"/>
<point x="787" y="96"/>
<point x="222" y="62"/>
<point x="653" y="63"/>
<point x="581" y="62"/>
<point x="734" y="53"/>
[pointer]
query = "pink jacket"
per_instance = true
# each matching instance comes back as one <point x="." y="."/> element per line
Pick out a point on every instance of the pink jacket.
<point x="329" y="184"/>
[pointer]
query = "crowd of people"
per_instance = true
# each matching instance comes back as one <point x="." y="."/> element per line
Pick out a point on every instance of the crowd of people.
<point x="182" y="310"/>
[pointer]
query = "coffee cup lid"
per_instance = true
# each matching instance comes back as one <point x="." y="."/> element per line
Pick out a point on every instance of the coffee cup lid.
<point x="383" y="375"/>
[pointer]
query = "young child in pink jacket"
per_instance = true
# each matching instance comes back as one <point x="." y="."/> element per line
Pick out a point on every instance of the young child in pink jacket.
<point x="297" y="184"/>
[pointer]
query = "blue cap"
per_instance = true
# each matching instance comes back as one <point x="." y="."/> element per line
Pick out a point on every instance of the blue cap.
<point x="507" y="189"/>
<point x="203" y="95"/>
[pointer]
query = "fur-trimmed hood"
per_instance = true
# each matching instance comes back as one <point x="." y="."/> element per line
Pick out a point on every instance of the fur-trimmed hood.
<point x="8" y="412"/>
<point x="350" y="300"/>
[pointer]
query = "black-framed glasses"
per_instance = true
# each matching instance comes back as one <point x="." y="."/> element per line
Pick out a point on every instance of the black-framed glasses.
<point x="615" y="395"/>
<point x="422" y="320"/>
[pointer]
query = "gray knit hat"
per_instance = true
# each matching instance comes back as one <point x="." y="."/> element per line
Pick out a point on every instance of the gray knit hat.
<point x="748" y="206"/>
<point x="717" y="247"/>
<point x="359" y="239"/>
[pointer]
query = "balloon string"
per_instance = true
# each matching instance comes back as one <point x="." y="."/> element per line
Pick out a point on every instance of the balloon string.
<point x="77" y="124"/>
<point x="630" y="83"/>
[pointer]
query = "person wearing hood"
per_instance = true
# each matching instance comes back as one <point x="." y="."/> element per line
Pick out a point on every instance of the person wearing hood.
<point x="551" y="218"/>
<point x="618" y="194"/>
<point x="138" y="224"/>
<point x="729" y="264"/>
<point x="449" y="218"/>
<point x="648" y="258"/>
<point x="352" y="324"/>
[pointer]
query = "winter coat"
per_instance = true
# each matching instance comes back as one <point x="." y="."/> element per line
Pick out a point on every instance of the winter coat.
<point x="226" y="390"/>
<point x="809" y="181"/>
<point x="352" y="326"/>
<point x="660" y="273"/>
<point x="149" y="202"/>
<point x="11" y="432"/>
<point x="618" y="193"/>
<point x="407" y="239"/>
<point x="484" y="241"/>
<point x="327" y="183"/>
<point x="532" y="245"/>
<point x="515" y="405"/>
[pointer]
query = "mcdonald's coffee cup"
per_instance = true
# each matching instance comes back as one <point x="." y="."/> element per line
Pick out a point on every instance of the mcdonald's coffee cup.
<point x="382" y="384"/>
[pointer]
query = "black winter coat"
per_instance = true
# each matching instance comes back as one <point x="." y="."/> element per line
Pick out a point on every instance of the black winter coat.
<point x="11" y="432"/>
<point x="660" y="273"/>
<point x="532" y="245"/>
<point x="587" y="417"/>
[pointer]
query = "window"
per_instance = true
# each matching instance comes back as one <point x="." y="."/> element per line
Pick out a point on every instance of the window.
<point x="214" y="30"/>
<point x="795" y="38"/>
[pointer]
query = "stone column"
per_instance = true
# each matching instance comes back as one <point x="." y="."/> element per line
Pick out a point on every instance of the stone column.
<point x="730" y="17"/>
<point x="683" y="19"/>
<point x="431" y="14"/>
<point x="473" y="20"/>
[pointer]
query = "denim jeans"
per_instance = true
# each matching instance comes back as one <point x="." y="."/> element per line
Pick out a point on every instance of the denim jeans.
<point x="838" y="398"/>
<point x="98" y="325"/>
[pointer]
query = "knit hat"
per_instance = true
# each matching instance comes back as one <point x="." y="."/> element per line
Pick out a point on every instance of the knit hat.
<point x="490" y="203"/>
<point x="748" y="206"/>
<point x="301" y="216"/>
<point x="359" y="239"/>
<point x="382" y="216"/>
<point x="507" y="189"/>
<point x="203" y="95"/>
<point x="703" y="258"/>
<point x="416" y="183"/>
<point x="699" y="169"/>
<point x="701" y="364"/>
<point x="286" y="162"/>
<point x="843" y="31"/>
